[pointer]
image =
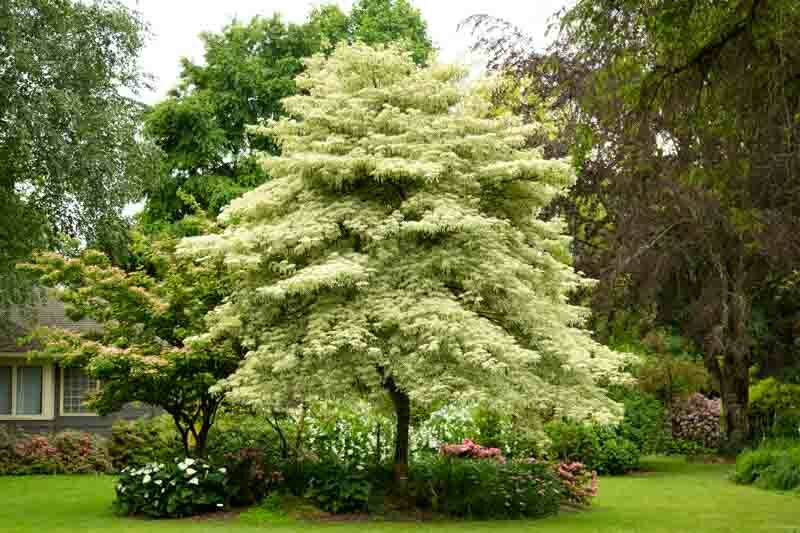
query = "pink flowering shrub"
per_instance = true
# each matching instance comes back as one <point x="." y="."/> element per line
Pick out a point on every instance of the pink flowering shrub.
<point x="579" y="483"/>
<point x="697" y="419"/>
<point x="69" y="452"/>
<point x="471" y="450"/>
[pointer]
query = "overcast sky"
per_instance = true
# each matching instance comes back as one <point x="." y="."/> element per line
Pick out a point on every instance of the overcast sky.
<point x="176" y="25"/>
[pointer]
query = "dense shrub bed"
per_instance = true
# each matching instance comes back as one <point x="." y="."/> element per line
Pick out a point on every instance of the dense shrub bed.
<point x="69" y="452"/>
<point x="774" y="465"/>
<point x="485" y="488"/>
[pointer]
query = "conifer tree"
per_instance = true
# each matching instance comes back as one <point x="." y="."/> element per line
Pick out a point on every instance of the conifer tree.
<point x="397" y="250"/>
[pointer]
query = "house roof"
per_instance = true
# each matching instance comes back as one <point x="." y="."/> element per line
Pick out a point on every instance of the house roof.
<point x="48" y="312"/>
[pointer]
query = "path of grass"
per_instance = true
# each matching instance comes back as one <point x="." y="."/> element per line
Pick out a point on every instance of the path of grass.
<point x="674" y="497"/>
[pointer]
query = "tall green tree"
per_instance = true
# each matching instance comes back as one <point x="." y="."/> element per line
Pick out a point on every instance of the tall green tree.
<point x="687" y="121"/>
<point x="70" y="153"/>
<point x="396" y="252"/>
<point x="247" y="70"/>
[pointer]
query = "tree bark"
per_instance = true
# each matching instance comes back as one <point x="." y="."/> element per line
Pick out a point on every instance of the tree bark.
<point x="735" y="391"/>
<point x="402" y="409"/>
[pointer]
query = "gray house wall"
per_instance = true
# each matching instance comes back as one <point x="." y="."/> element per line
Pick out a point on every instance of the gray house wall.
<point x="89" y="423"/>
<point x="51" y="313"/>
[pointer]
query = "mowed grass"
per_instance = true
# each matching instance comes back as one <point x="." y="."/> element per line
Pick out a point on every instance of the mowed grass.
<point x="672" y="497"/>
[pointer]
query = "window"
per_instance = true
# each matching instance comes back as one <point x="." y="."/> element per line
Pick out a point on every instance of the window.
<point x="6" y="390"/>
<point x="29" y="390"/>
<point x="24" y="391"/>
<point x="76" y="387"/>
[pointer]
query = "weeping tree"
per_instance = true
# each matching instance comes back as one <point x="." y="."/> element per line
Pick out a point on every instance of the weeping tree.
<point x="685" y="119"/>
<point x="397" y="251"/>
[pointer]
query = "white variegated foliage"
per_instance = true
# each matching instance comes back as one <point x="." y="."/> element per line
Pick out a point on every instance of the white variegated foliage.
<point x="400" y="232"/>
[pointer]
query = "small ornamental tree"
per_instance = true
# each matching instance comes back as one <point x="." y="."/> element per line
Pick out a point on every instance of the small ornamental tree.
<point x="397" y="250"/>
<point x="148" y="349"/>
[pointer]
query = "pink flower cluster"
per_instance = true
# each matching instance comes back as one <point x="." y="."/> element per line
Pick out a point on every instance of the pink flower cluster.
<point x="38" y="447"/>
<point x="698" y="419"/>
<point x="469" y="449"/>
<point x="580" y="484"/>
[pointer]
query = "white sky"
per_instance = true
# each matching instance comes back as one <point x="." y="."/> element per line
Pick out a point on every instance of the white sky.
<point x="176" y="25"/>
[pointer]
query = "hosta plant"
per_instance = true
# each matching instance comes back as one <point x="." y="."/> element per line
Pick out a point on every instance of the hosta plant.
<point x="168" y="490"/>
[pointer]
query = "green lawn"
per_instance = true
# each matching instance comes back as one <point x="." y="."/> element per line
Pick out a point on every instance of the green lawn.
<point x="673" y="497"/>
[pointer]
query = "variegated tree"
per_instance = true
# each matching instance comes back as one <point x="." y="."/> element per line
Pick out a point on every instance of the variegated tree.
<point x="398" y="249"/>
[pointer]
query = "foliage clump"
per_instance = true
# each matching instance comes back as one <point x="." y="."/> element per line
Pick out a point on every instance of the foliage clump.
<point x="484" y="488"/>
<point x="697" y="419"/>
<point x="774" y="465"/>
<point x="174" y="489"/>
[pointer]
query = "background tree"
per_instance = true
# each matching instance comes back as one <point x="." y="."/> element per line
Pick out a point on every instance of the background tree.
<point x="686" y="127"/>
<point x="147" y="350"/>
<point x="396" y="251"/>
<point x="247" y="70"/>
<point x="70" y="156"/>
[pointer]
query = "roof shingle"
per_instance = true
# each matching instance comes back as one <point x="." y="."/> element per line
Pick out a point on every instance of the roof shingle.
<point x="50" y="313"/>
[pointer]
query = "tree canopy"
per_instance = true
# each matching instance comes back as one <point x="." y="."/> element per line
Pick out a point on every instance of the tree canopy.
<point x="247" y="70"/>
<point x="70" y="154"/>
<point x="397" y="250"/>
<point x="685" y="117"/>
<point x="148" y="349"/>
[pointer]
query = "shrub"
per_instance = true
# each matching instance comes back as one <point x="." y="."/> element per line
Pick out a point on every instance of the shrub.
<point x="249" y="476"/>
<point x="578" y="483"/>
<point x="645" y="421"/>
<point x="144" y="441"/>
<point x="69" y="452"/>
<point x="572" y="441"/>
<point x="600" y="448"/>
<point x="173" y="489"/>
<point x="697" y="419"/>
<point x="234" y="431"/>
<point x="80" y="453"/>
<point x="774" y="465"/>
<point x="775" y="409"/>
<point x="485" y="488"/>
<point x="616" y="455"/>
<point x="337" y="488"/>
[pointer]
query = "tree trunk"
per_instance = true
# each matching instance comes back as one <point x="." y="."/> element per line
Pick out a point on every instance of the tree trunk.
<point x="402" y="409"/>
<point x="735" y="391"/>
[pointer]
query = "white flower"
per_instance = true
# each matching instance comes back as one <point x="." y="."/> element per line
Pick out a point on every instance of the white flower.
<point x="194" y="481"/>
<point x="189" y="461"/>
<point x="146" y="479"/>
<point x="181" y="466"/>
<point x="220" y="505"/>
<point x="223" y="470"/>
<point x="191" y="472"/>
<point x="158" y="482"/>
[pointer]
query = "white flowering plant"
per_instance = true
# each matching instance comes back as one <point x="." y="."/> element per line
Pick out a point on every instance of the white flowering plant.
<point x="354" y="433"/>
<point x="184" y="487"/>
